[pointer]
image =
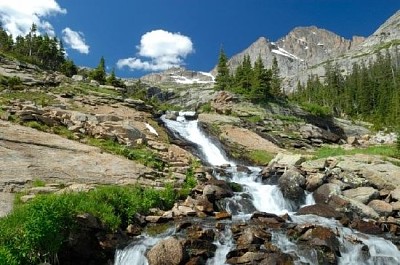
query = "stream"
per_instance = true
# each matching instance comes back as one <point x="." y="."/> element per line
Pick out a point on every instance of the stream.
<point x="257" y="196"/>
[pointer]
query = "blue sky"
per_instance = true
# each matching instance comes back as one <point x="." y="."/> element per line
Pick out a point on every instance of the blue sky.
<point x="137" y="37"/>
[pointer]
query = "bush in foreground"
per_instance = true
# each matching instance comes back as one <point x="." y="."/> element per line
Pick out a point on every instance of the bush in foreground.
<point x="36" y="231"/>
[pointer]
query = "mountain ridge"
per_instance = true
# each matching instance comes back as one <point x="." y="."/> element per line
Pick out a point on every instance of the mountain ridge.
<point x="305" y="50"/>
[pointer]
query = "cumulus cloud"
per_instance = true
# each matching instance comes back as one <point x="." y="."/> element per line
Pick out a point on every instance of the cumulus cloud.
<point x="75" y="40"/>
<point x="16" y="17"/>
<point x="161" y="50"/>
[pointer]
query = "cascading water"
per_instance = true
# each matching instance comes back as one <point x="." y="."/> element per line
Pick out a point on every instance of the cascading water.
<point x="266" y="198"/>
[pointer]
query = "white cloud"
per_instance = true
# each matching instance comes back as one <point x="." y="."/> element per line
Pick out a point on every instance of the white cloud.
<point x="162" y="50"/>
<point x="17" y="16"/>
<point x="75" y="40"/>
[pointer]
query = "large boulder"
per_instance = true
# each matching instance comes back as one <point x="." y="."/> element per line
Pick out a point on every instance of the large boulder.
<point x="362" y="194"/>
<point x="381" y="207"/>
<point x="216" y="190"/>
<point x="325" y="192"/>
<point x="320" y="210"/>
<point x="291" y="184"/>
<point x="167" y="252"/>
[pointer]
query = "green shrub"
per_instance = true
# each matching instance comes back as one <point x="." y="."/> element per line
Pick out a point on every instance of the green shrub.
<point x="259" y="157"/>
<point x="206" y="108"/>
<point x="189" y="183"/>
<point x="317" y="110"/>
<point x="34" y="232"/>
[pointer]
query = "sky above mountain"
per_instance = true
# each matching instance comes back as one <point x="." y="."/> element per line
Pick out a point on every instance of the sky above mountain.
<point x="138" y="37"/>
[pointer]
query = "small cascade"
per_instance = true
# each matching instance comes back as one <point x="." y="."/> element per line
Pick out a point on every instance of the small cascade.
<point x="224" y="244"/>
<point x="134" y="253"/>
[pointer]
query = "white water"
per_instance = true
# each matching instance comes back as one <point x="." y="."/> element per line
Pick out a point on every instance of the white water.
<point x="189" y="130"/>
<point x="266" y="198"/>
<point x="134" y="254"/>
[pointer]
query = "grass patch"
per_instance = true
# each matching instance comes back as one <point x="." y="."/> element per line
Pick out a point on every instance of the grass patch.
<point x="38" y="183"/>
<point x="37" y="97"/>
<point x="260" y="157"/>
<point x="254" y="119"/>
<point x="34" y="232"/>
<point x="140" y="154"/>
<point x="288" y="118"/>
<point x="382" y="150"/>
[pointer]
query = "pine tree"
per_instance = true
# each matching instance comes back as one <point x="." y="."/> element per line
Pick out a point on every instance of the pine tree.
<point x="261" y="81"/>
<point x="276" y="81"/>
<point x="222" y="80"/>
<point x="99" y="74"/>
<point x="68" y="68"/>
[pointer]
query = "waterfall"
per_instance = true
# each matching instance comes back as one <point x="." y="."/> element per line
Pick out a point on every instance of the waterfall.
<point x="266" y="198"/>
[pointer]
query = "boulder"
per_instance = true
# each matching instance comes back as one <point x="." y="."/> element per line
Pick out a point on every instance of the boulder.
<point x="395" y="194"/>
<point x="313" y="133"/>
<point x="360" y="210"/>
<point x="325" y="192"/>
<point x="217" y="189"/>
<point x="381" y="207"/>
<point x="320" y="210"/>
<point x="167" y="252"/>
<point x="291" y="184"/>
<point x="362" y="194"/>
<point x="252" y="235"/>
<point x="324" y="240"/>
<point x="314" y="165"/>
<point x="288" y="160"/>
<point x="314" y="181"/>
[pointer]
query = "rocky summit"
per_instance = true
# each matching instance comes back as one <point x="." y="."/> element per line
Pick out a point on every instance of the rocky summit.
<point x="305" y="51"/>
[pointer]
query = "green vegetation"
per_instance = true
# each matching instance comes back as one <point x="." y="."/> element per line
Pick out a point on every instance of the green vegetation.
<point x="254" y="82"/>
<point x="206" y="108"/>
<point x="13" y="83"/>
<point x="35" y="232"/>
<point x="37" y="97"/>
<point x="222" y="80"/>
<point x="38" y="183"/>
<point x="42" y="50"/>
<point x="259" y="157"/>
<point x="370" y="92"/>
<point x="316" y="110"/>
<point x="287" y="118"/>
<point x="254" y="119"/>
<point x="140" y="154"/>
<point x="189" y="183"/>
<point x="382" y="150"/>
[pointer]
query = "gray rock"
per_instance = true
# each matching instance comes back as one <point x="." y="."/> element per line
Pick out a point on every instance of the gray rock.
<point x="77" y="78"/>
<point x="288" y="160"/>
<point x="314" y="181"/>
<point x="167" y="252"/>
<point x="314" y="165"/>
<point x="291" y="184"/>
<point x="395" y="194"/>
<point x="362" y="194"/>
<point x="381" y="207"/>
<point x="325" y="192"/>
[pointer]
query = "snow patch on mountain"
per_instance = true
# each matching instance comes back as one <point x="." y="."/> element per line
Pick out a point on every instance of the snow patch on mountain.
<point x="189" y="81"/>
<point x="283" y="52"/>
